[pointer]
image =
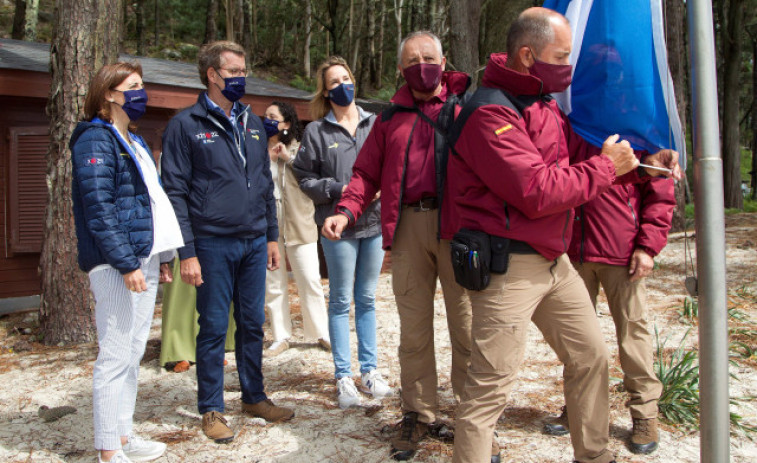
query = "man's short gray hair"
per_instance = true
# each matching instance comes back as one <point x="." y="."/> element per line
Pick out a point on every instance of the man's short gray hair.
<point x="415" y="34"/>
<point x="532" y="28"/>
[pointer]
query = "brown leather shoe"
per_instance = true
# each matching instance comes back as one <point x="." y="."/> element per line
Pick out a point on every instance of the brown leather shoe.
<point x="276" y="348"/>
<point x="215" y="427"/>
<point x="268" y="411"/>
<point x="409" y="433"/>
<point x="645" y="436"/>
<point x="324" y="344"/>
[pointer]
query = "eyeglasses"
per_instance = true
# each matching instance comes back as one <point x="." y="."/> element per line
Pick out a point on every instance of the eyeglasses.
<point x="236" y="72"/>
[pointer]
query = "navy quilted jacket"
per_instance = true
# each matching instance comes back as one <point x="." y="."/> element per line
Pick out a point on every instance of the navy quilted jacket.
<point x="110" y="200"/>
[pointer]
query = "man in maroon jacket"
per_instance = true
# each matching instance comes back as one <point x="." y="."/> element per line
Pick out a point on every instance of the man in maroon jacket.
<point x="519" y="174"/>
<point x="615" y="240"/>
<point x="405" y="158"/>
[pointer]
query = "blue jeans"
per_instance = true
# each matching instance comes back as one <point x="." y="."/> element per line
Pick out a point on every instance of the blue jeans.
<point x="233" y="269"/>
<point x="353" y="264"/>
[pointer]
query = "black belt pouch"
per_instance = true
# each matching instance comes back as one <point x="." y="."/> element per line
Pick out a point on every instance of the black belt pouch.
<point x="500" y="254"/>
<point x="471" y="258"/>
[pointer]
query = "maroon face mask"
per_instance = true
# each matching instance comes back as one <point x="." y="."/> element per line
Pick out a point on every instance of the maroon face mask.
<point x="423" y="77"/>
<point x="555" y="78"/>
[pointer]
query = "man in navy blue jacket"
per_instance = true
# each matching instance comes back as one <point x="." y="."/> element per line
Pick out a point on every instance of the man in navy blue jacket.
<point x="216" y="171"/>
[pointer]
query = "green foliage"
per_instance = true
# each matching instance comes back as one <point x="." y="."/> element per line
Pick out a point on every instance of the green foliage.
<point x="690" y="309"/>
<point x="679" y="374"/>
<point x="302" y="83"/>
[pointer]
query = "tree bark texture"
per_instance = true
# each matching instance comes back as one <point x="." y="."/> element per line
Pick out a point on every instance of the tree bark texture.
<point x="19" y="17"/>
<point x="731" y="42"/>
<point x="211" y="29"/>
<point x="308" y="36"/>
<point x="139" y="14"/>
<point x="85" y="37"/>
<point x="30" y="22"/>
<point x="464" y="19"/>
<point x="675" y="17"/>
<point x="753" y="172"/>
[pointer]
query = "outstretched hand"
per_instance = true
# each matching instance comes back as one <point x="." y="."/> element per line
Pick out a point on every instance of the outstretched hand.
<point x="334" y="225"/>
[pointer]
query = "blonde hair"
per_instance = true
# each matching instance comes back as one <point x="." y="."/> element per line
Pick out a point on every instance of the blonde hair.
<point x="320" y="105"/>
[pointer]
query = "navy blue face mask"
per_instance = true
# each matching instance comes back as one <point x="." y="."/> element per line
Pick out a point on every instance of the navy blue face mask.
<point x="271" y="127"/>
<point x="135" y="103"/>
<point x="235" y="88"/>
<point x="342" y="94"/>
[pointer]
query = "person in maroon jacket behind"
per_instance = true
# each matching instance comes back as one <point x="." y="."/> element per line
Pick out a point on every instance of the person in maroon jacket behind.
<point x="406" y="159"/>
<point x="615" y="240"/>
<point x="518" y="175"/>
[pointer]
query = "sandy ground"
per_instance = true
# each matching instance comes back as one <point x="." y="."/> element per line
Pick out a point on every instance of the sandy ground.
<point x="32" y="375"/>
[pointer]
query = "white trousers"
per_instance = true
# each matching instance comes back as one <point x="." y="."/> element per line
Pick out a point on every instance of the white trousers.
<point x="123" y="321"/>
<point x="303" y="259"/>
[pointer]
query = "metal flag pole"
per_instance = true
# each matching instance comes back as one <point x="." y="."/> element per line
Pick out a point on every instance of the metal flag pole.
<point x="710" y="230"/>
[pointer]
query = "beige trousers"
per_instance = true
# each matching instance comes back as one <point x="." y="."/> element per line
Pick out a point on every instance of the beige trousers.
<point x="418" y="258"/>
<point x="628" y="306"/>
<point x="552" y="295"/>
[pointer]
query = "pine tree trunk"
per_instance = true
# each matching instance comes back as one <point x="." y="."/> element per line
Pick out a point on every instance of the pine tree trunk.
<point x="211" y="30"/>
<point x="464" y="25"/>
<point x="371" y="40"/>
<point x="731" y="43"/>
<point x="19" y="17"/>
<point x="753" y="173"/>
<point x="140" y="18"/>
<point x="247" y="31"/>
<point x="308" y="37"/>
<point x="675" y="17"/>
<point x="86" y="37"/>
<point x="30" y="22"/>
<point x="380" y="58"/>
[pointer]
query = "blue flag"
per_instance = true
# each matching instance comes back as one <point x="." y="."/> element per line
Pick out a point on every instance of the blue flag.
<point x="621" y="81"/>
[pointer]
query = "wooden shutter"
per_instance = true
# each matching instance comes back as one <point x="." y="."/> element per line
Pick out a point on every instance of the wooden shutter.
<point x="27" y="188"/>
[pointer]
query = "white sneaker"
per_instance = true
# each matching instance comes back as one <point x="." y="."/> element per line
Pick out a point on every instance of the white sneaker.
<point x="119" y="457"/>
<point x="138" y="449"/>
<point x="347" y="393"/>
<point x="376" y="385"/>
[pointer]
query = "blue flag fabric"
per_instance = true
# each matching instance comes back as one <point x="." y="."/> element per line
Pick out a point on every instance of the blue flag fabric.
<point x="621" y="81"/>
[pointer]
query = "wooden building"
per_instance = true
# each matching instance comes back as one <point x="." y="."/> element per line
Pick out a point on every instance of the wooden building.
<point x="24" y="139"/>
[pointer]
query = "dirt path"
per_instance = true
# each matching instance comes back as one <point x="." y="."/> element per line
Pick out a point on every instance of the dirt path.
<point x="32" y="375"/>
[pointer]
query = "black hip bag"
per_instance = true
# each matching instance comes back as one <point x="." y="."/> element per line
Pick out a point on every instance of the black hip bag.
<point x="476" y="254"/>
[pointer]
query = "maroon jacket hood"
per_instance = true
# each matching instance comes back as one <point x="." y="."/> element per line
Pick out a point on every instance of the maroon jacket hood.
<point x="498" y="75"/>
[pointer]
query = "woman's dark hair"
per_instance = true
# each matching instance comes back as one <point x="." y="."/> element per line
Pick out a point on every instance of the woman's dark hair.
<point x="290" y="115"/>
<point x="107" y="78"/>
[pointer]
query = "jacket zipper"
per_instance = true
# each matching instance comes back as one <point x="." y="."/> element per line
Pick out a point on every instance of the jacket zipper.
<point x="557" y="163"/>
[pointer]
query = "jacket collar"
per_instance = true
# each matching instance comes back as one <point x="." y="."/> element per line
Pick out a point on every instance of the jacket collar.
<point x="452" y="81"/>
<point x="498" y="75"/>
<point x="363" y="114"/>
<point x="202" y="108"/>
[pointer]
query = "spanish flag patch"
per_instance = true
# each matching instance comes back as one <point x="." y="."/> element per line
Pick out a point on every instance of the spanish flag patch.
<point x="503" y="129"/>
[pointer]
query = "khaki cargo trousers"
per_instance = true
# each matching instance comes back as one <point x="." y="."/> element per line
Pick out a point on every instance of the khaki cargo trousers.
<point x="552" y="295"/>
<point x="628" y="306"/>
<point x="418" y="257"/>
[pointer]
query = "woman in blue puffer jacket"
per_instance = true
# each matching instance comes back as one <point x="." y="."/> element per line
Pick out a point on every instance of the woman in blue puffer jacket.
<point x="127" y="233"/>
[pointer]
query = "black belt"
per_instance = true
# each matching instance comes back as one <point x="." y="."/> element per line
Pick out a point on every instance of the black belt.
<point x="425" y="204"/>
<point x="521" y="247"/>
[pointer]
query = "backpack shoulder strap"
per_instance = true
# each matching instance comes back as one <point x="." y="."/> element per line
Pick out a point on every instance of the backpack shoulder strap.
<point x="482" y="97"/>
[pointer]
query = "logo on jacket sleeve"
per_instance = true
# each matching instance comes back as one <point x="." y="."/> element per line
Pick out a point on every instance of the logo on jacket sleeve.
<point x="92" y="162"/>
<point x="503" y="129"/>
<point x="206" y="137"/>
